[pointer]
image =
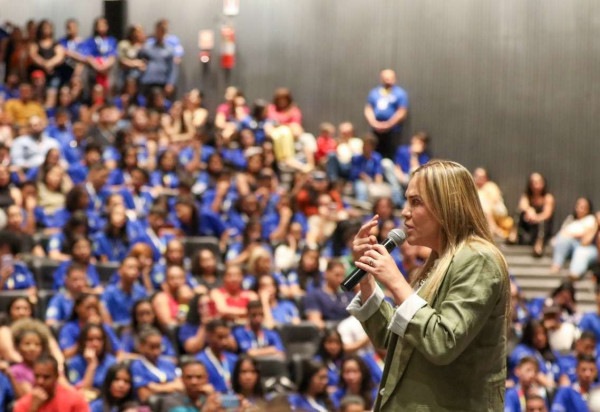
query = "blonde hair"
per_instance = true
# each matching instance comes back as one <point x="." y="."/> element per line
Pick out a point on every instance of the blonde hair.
<point x="451" y="196"/>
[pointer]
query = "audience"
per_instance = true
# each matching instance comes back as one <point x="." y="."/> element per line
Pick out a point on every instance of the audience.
<point x="192" y="249"/>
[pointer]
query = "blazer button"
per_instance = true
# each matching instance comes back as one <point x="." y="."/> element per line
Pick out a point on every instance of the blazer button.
<point x="382" y="391"/>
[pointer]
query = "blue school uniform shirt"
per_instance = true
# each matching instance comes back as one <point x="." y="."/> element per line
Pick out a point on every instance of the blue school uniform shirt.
<point x="569" y="399"/>
<point x="97" y="46"/>
<point x="78" y="172"/>
<point x="119" y="303"/>
<point x="284" y="312"/>
<point x="128" y="344"/>
<point x="299" y="402"/>
<point x="159" y="274"/>
<point x="375" y="364"/>
<point x="338" y="395"/>
<point x="332" y="307"/>
<point x="234" y="158"/>
<point x="51" y="220"/>
<point x="371" y="166"/>
<point x="520" y="351"/>
<point x="591" y="322"/>
<point x="219" y="370"/>
<point x="567" y="365"/>
<point x="257" y="127"/>
<point x="144" y="373"/>
<point x="7" y="394"/>
<point x="157" y="243"/>
<point x="60" y="307"/>
<point x="333" y="370"/>
<point x="63" y="135"/>
<point x="69" y="334"/>
<point x="513" y="400"/>
<point x="77" y="365"/>
<point x="73" y="152"/>
<point x="168" y="180"/>
<point x="185" y="332"/>
<point x="60" y="274"/>
<point x="21" y="278"/>
<point x="247" y="339"/>
<point x="387" y="102"/>
<point x="402" y="158"/>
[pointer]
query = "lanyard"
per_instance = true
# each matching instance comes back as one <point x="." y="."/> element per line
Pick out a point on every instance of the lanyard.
<point x="258" y="339"/>
<point x="162" y="377"/>
<point x="315" y="405"/>
<point x="221" y="366"/>
<point x="156" y="240"/>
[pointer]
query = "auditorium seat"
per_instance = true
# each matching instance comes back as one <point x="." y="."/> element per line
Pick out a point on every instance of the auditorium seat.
<point x="193" y="244"/>
<point x="302" y="339"/>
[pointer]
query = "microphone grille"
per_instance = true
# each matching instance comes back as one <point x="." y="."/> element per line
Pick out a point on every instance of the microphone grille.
<point x="398" y="236"/>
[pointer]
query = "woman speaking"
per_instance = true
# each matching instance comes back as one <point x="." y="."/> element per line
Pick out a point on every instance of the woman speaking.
<point x="446" y="333"/>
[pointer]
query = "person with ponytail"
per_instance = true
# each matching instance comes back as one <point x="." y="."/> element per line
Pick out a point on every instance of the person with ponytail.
<point x="447" y="331"/>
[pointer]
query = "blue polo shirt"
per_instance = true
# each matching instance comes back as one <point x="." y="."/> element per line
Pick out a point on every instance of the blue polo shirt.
<point x="21" y="278"/>
<point x="119" y="303"/>
<point x="370" y="166"/>
<point x="332" y="307"/>
<point x="387" y="102"/>
<point x="284" y="312"/>
<point x="61" y="273"/>
<point x="185" y="332"/>
<point x="591" y="322"/>
<point x="7" y="394"/>
<point x="60" y="307"/>
<point x="77" y="365"/>
<point x="569" y="399"/>
<point x="219" y="370"/>
<point x="247" y="339"/>
<point x="402" y="158"/>
<point x="69" y="334"/>
<point x="97" y="46"/>
<point x="143" y="374"/>
<point x="157" y="243"/>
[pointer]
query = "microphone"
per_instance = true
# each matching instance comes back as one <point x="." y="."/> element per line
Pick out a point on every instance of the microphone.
<point x="394" y="239"/>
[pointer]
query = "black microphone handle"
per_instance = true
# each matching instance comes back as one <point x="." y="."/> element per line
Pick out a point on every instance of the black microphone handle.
<point x="357" y="274"/>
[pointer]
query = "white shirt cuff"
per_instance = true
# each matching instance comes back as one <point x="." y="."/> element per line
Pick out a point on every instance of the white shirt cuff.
<point x="405" y="312"/>
<point x="361" y="311"/>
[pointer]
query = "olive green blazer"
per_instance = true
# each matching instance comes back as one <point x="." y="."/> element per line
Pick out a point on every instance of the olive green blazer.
<point x="452" y="356"/>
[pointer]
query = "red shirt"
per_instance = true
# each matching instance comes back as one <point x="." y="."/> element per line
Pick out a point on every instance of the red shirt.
<point x="325" y="145"/>
<point x="65" y="400"/>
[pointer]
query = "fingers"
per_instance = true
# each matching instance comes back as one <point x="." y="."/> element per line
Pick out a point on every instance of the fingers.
<point x="365" y="229"/>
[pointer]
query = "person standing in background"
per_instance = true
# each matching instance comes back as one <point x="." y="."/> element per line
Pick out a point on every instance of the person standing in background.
<point x="385" y="111"/>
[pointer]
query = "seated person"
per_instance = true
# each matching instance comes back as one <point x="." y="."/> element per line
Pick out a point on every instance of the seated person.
<point x="256" y="340"/>
<point x="14" y="274"/>
<point x="117" y="389"/>
<point x="49" y="393"/>
<point x="151" y="373"/>
<point x="366" y="169"/>
<point x="86" y="309"/>
<point x="60" y="306"/>
<point x="152" y="234"/>
<point x="87" y="369"/>
<point x="328" y="303"/>
<point x="591" y="320"/>
<point x="142" y="315"/>
<point x="408" y="158"/>
<point x="492" y="203"/>
<point x="526" y="372"/>
<point x="574" y="397"/>
<point x="171" y="302"/>
<point x="219" y="362"/>
<point x="118" y="299"/>
<point x="576" y="239"/>
<point x="230" y="301"/>
<point x="197" y="390"/>
<point x="585" y="345"/>
<point x="81" y="252"/>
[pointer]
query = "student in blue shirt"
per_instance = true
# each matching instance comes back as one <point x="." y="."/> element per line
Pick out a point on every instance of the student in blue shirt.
<point x="128" y="160"/>
<point x="151" y="373"/>
<point x="7" y="394"/>
<point x="59" y="244"/>
<point x="591" y="320"/>
<point x="119" y="299"/>
<point x="14" y="274"/>
<point x="165" y="176"/>
<point x="246" y="382"/>
<point x="87" y="369"/>
<point x="152" y="236"/>
<point x="60" y="306"/>
<point x="86" y="309"/>
<point x="331" y="353"/>
<point x="81" y="251"/>
<point x="256" y="340"/>
<point x="312" y="393"/>
<point x="585" y="345"/>
<point x="142" y="315"/>
<point x="355" y="379"/>
<point x="116" y="391"/>
<point x="574" y="397"/>
<point x="113" y="243"/>
<point x="78" y="171"/>
<point x="282" y="311"/>
<point x="218" y="360"/>
<point x="328" y="303"/>
<point x="101" y="52"/>
<point x="139" y="197"/>
<point x="366" y="168"/>
<point x="526" y="372"/>
<point x="174" y="256"/>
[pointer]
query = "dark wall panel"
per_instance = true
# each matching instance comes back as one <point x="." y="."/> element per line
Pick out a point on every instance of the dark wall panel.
<point x="513" y="85"/>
